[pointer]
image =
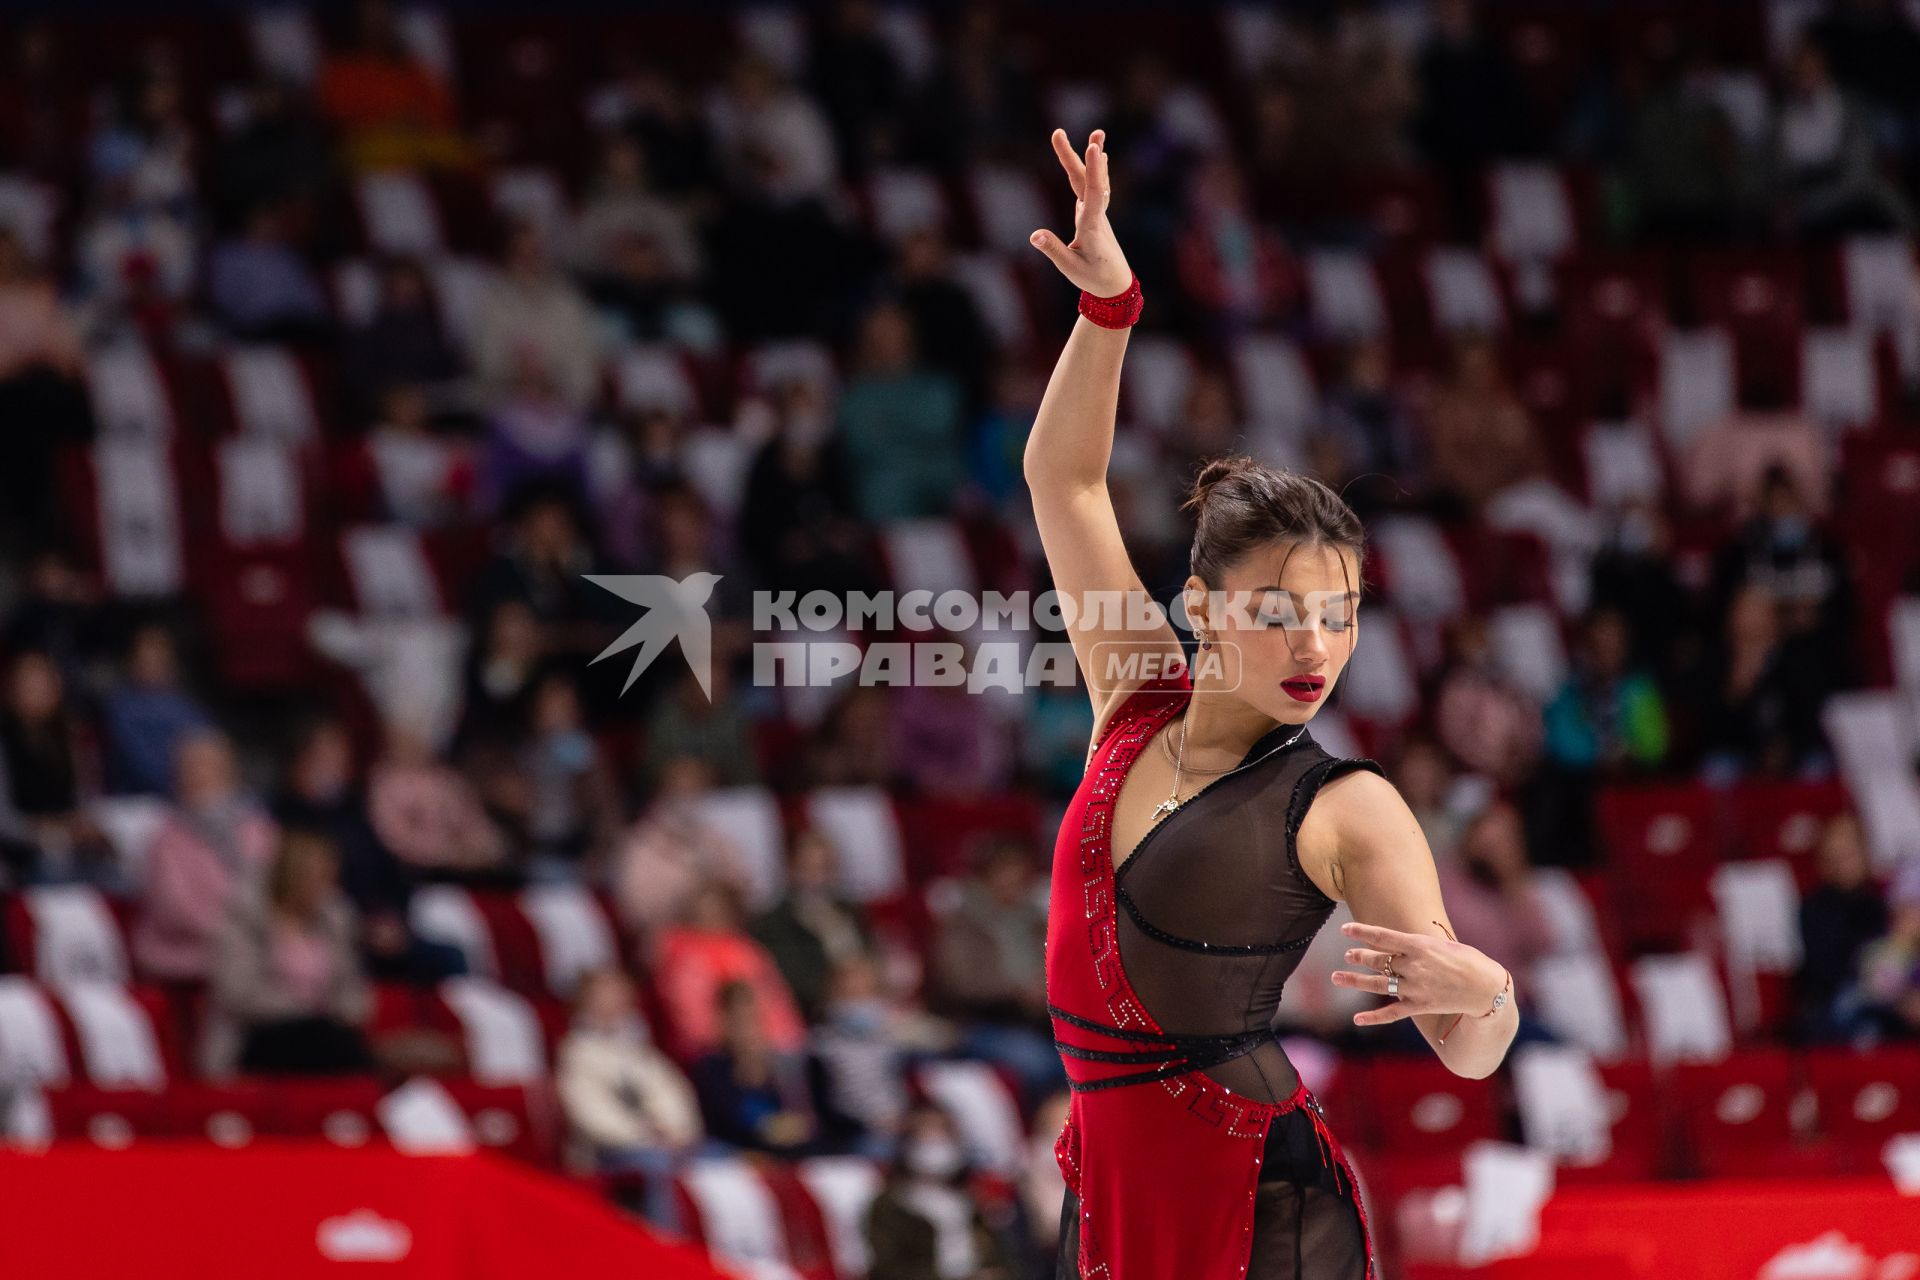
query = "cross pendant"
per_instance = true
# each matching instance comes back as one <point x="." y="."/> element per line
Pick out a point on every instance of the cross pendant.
<point x="1166" y="806"/>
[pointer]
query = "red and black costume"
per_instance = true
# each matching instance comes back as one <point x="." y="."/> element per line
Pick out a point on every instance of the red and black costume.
<point x="1192" y="1149"/>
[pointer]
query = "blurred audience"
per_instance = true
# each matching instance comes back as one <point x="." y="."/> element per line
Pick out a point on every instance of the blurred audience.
<point x="628" y="1106"/>
<point x="987" y="966"/>
<point x="210" y="852"/>
<point x="814" y="928"/>
<point x="753" y="1090"/>
<point x="700" y="955"/>
<point x="288" y="994"/>
<point x="1844" y="911"/>
<point x="924" y="1224"/>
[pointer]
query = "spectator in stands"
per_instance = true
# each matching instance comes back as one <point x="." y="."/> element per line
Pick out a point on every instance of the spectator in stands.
<point x="1211" y="423"/>
<point x="279" y="154"/>
<point x="144" y="149"/>
<point x="1378" y="446"/>
<point x="1885" y="1000"/>
<point x="1478" y="433"/>
<point x="1486" y="721"/>
<point x="1607" y="715"/>
<point x="44" y="775"/>
<point x="645" y="302"/>
<point x="392" y="110"/>
<point x="1762" y="713"/>
<point x="901" y="422"/>
<point x="535" y="435"/>
<point x="648" y="100"/>
<point x="404" y="342"/>
<point x="211" y="851"/>
<point x="424" y="478"/>
<point x="1234" y="271"/>
<point x="1686" y="173"/>
<point x="148" y="713"/>
<point x="947" y="324"/>
<point x="622" y="204"/>
<point x="663" y="859"/>
<point x="57" y="612"/>
<point x="798" y="525"/>
<point x="700" y="954"/>
<point x="532" y="315"/>
<point x="289" y="996"/>
<point x="574" y="810"/>
<point x="1424" y="776"/>
<point x="981" y="101"/>
<point x="542" y="562"/>
<point x="628" y="1106"/>
<point x="1633" y="574"/>
<point x="1871" y="47"/>
<point x="853" y="74"/>
<point x="632" y="462"/>
<point x="426" y="812"/>
<point x="501" y="670"/>
<point x="41" y="364"/>
<point x="753" y="1090"/>
<point x="814" y="927"/>
<point x="757" y="116"/>
<point x="1842" y="913"/>
<point x="854" y="744"/>
<point x="925" y="1224"/>
<point x="320" y="794"/>
<point x="858" y="1062"/>
<point x="712" y="725"/>
<point x="1732" y="466"/>
<point x="946" y="740"/>
<point x="1827" y="173"/>
<point x="1471" y="104"/>
<point x="987" y="966"/>
<point x="261" y="287"/>
<point x="1492" y="893"/>
<point x="1786" y="549"/>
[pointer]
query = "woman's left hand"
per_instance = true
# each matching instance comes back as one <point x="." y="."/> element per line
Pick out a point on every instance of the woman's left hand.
<point x="1437" y="975"/>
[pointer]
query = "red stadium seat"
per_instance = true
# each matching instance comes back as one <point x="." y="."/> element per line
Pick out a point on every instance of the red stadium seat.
<point x="1866" y="1099"/>
<point x="1662" y="844"/>
<point x="1423" y="1109"/>
<point x="344" y="1111"/>
<point x="111" y="1118"/>
<point x="1747" y="1116"/>
<point x="1783" y="819"/>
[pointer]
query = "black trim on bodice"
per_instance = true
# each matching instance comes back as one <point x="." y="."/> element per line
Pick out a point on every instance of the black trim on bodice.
<point x="1177" y="1054"/>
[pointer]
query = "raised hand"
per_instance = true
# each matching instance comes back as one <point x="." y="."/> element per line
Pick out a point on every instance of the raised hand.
<point x="1092" y="260"/>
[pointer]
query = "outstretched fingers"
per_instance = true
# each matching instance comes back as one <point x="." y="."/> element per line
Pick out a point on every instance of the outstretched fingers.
<point x="1076" y="169"/>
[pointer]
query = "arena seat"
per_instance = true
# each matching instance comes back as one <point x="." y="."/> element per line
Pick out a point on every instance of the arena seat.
<point x="1661" y="843"/>
<point x="1865" y="1099"/>
<point x="1423" y="1110"/>
<point x="1748" y="1115"/>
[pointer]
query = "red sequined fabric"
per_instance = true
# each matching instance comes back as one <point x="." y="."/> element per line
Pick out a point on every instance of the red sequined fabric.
<point x="1117" y="312"/>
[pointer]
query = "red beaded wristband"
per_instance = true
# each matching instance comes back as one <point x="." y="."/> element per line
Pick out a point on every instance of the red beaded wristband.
<point x="1118" y="312"/>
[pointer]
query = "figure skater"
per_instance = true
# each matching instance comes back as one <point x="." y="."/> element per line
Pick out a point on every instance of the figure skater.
<point x="1208" y="842"/>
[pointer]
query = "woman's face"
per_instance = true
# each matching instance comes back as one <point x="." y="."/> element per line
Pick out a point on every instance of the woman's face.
<point x="1289" y="610"/>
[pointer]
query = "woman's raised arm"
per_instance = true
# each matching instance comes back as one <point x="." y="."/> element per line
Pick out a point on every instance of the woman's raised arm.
<point x="1068" y="451"/>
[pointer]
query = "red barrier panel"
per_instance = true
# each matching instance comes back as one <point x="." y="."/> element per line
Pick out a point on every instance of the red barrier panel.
<point x="293" y="1210"/>
<point x="1726" y="1229"/>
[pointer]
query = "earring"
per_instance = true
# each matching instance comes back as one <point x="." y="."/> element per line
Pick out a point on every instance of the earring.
<point x="1206" y="644"/>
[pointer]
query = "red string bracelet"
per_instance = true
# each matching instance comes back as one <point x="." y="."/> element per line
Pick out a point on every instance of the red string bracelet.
<point x="1498" y="1000"/>
<point x="1118" y="312"/>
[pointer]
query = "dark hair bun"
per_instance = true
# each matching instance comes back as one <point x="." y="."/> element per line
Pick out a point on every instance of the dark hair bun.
<point x="1216" y="470"/>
